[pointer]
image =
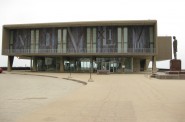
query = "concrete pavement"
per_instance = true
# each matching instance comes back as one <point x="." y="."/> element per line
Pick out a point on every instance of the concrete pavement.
<point x="21" y="94"/>
<point x="115" y="98"/>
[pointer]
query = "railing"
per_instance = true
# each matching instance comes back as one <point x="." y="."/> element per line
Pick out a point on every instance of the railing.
<point x="81" y="51"/>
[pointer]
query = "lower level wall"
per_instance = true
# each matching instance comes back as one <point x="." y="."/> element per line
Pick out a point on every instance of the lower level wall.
<point x="81" y="64"/>
<point x="136" y="65"/>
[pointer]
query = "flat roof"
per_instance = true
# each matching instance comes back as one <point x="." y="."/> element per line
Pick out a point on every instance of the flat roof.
<point x="82" y="23"/>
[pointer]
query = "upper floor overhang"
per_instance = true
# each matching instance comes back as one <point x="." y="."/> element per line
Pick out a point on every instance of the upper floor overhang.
<point x="82" y="24"/>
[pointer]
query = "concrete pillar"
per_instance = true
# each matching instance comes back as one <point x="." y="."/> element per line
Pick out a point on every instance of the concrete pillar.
<point x="154" y="69"/>
<point x="10" y="63"/>
<point x="132" y="64"/>
<point x="31" y="63"/>
<point x="61" y="64"/>
<point x="147" y="64"/>
<point x="34" y="64"/>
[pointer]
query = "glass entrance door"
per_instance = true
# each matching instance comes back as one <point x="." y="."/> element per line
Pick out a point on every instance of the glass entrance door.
<point x="113" y="66"/>
<point x="105" y="66"/>
<point x="110" y="64"/>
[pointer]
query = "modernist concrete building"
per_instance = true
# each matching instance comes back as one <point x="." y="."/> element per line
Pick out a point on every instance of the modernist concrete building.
<point x="116" y="46"/>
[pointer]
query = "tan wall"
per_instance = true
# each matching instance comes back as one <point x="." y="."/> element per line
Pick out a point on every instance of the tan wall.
<point x="164" y="48"/>
<point x="5" y="40"/>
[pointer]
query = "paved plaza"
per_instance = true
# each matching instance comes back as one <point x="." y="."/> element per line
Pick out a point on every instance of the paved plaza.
<point x="110" y="98"/>
<point x="21" y="94"/>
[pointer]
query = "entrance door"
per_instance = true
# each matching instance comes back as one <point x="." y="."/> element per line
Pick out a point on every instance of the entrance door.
<point x="142" y="64"/>
<point x="113" y="66"/>
<point x="105" y="66"/>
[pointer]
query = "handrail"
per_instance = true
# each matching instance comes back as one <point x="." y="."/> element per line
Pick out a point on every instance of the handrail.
<point x="80" y="51"/>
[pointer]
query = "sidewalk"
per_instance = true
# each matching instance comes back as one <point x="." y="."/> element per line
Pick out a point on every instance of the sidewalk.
<point x="116" y="98"/>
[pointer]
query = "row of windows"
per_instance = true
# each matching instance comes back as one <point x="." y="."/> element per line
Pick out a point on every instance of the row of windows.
<point x="96" y="39"/>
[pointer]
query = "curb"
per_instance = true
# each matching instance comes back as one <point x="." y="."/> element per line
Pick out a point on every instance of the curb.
<point x="78" y="81"/>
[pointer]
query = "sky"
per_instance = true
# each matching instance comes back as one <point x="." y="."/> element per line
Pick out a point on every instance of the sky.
<point x="169" y="15"/>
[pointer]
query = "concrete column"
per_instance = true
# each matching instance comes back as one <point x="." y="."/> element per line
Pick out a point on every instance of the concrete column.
<point x="119" y="39"/>
<point x="147" y="64"/>
<point x="31" y="63"/>
<point x="154" y="69"/>
<point x="59" y="49"/>
<point x="34" y="64"/>
<point x="61" y="64"/>
<point x="10" y="63"/>
<point x="132" y="64"/>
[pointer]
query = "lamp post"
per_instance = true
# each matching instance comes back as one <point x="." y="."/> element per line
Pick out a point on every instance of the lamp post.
<point x="90" y="79"/>
<point x="69" y="68"/>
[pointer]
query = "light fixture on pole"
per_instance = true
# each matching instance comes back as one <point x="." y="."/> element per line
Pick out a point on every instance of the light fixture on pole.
<point x="90" y="79"/>
<point x="69" y="68"/>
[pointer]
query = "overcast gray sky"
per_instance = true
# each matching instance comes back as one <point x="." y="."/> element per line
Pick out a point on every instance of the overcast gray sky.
<point x="169" y="14"/>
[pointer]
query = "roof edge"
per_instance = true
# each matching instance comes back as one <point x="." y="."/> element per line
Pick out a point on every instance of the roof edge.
<point x="81" y="23"/>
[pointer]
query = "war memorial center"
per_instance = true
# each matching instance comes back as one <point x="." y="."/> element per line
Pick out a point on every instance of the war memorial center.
<point x="114" y="46"/>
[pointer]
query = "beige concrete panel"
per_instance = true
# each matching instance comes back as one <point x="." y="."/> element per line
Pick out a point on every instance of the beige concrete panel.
<point x="59" y="48"/>
<point x="125" y="39"/>
<point x="88" y="40"/>
<point x="119" y="39"/>
<point x="32" y="41"/>
<point x="37" y="41"/>
<point x="94" y="40"/>
<point x="5" y="40"/>
<point x="64" y="40"/>
<point x="164" y="44"/>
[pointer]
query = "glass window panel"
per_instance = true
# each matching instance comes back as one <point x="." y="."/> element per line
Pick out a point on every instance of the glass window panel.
<point x="37" y="37"/>
<point x="32" y="36"/>
<point x="11" y="38"/>
<point x="151" y="35"/>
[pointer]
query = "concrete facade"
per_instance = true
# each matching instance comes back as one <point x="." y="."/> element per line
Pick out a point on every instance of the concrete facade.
<point x="164" y="48"/>
<point x="117" y="46"/>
